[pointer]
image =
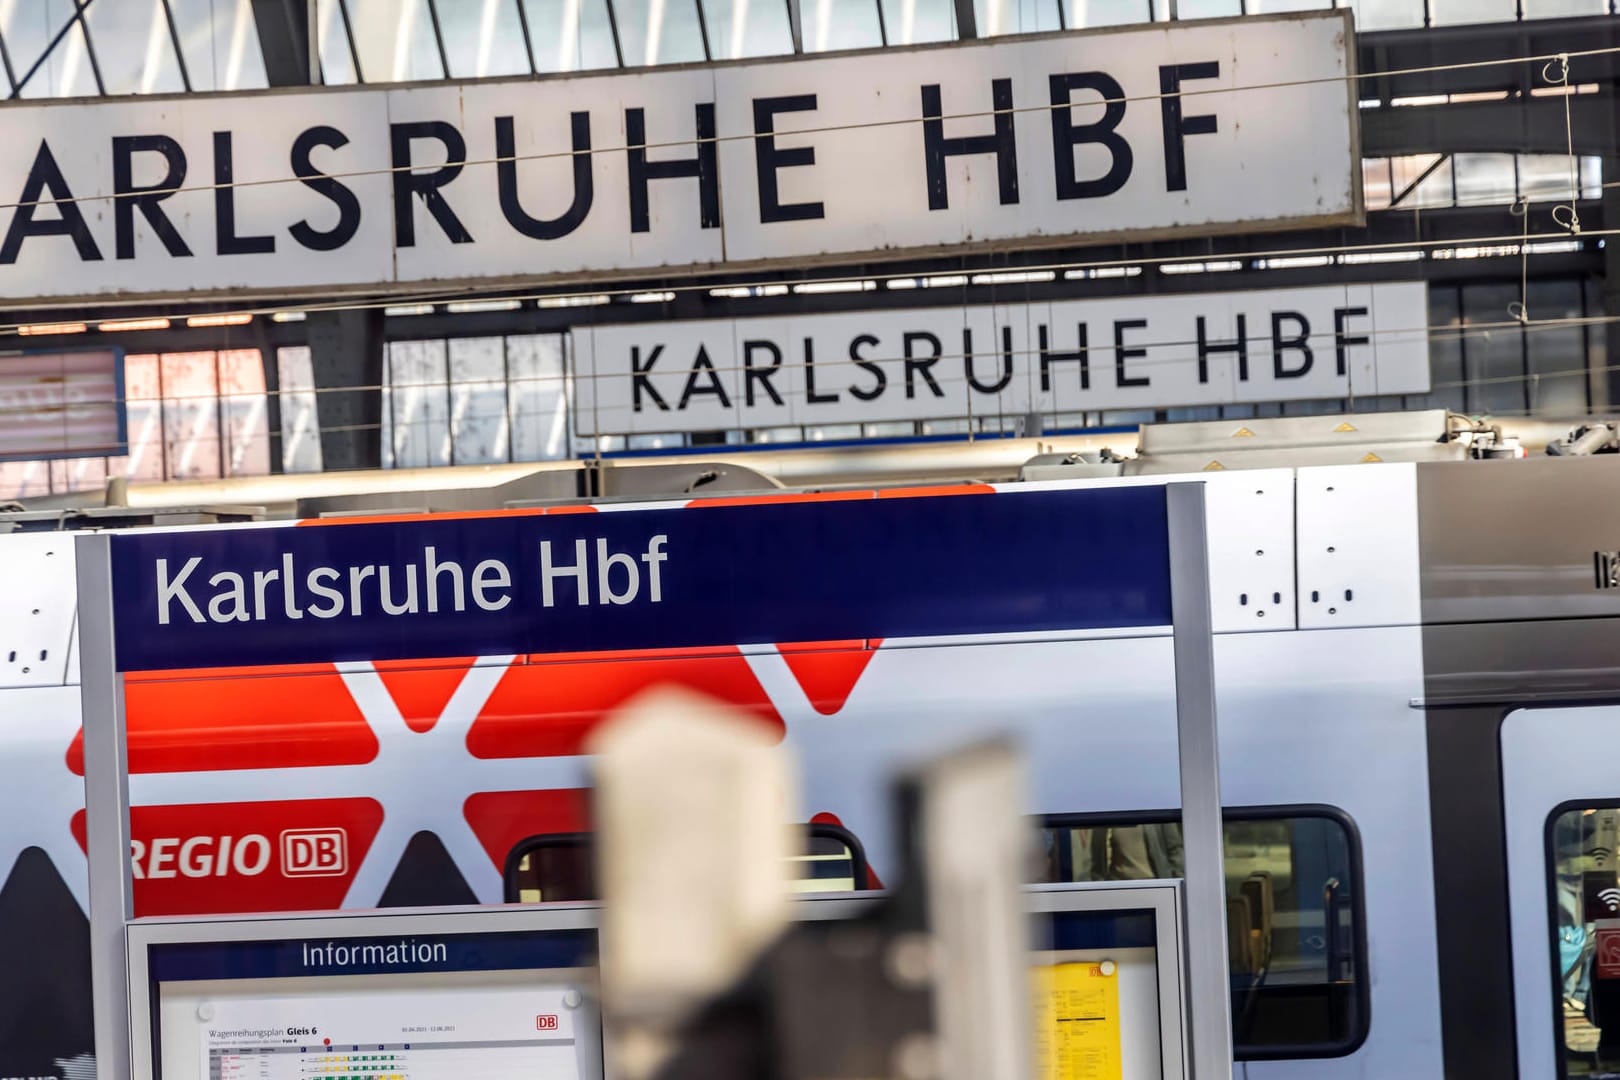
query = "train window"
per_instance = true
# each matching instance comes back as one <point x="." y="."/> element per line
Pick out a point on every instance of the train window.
<point x="549" y="869"/>
<point x="1296" y="941"/>
<point x="552" y="868"/>
<point x="832" y="862"/>
<point x="1586" y="937"/>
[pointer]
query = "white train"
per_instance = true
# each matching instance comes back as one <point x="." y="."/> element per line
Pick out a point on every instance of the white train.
<point x="1418" y="669"/>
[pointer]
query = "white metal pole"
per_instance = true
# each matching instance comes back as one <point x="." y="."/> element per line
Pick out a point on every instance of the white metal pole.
<point x="1208" y="979"/>
<point x="106" y="805"/>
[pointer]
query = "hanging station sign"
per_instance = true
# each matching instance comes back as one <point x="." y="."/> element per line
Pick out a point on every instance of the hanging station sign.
<point x="1225" y="126"/>
<point x="1063" y="356"/>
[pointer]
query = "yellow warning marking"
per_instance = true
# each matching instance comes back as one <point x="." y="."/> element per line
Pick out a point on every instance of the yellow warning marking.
<point x="1077" y="1022"/>
<point x="1346" y="426"/>
<point x="1242" y="433"/>
<point x="1214" y="466"/>
<point x="1370" y="459"/>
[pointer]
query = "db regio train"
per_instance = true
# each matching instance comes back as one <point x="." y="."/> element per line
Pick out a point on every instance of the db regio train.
<point x="1418" y="673"/>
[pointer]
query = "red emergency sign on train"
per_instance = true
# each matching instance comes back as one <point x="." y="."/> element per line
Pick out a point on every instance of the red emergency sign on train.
<point x="234" y="857"/>
<point x="1608" y="949"/>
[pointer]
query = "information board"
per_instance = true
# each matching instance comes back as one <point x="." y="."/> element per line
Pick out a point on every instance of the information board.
<point x="368" y="998"/>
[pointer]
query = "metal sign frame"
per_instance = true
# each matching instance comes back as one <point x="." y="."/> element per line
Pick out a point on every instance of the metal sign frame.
<point x="1164" y="898"/>
<point x="106" y="781"/>
<point x="1167" y="901"/>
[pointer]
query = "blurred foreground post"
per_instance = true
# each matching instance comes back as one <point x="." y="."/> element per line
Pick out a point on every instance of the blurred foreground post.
<point x="692" y="808"/>
<point x="704" y="976"/>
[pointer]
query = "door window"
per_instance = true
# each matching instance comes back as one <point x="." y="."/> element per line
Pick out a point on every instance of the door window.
<point x="1586" y="937"/>
<point x="1294" y="931"/>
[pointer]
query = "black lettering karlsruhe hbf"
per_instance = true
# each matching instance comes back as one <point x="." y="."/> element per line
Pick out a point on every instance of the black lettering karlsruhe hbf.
<point x="892" y="361"/>
<point x="45" y="205"/>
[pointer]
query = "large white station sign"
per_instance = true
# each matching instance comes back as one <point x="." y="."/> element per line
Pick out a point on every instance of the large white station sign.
<point x="1057" y="357"/>
<point x="1235" y="124"/>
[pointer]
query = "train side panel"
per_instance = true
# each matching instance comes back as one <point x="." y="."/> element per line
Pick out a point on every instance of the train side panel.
<point x="361" y="785"/>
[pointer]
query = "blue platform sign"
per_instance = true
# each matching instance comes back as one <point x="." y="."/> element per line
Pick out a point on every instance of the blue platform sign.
<point x="668" y="578"/>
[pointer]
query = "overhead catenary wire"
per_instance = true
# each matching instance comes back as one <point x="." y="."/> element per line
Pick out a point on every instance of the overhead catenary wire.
<point x="750" y="136"/>
<point x="1574" y="222"/>
<point x="705" y="285"/>
<point x="1571" y="220"/>
<point x="504" y="290"/>
<point x="269" y="438"/>
<point x="1522" y="240"/>
<point x="393" y="299"/>
<point x="1455" y="384"/>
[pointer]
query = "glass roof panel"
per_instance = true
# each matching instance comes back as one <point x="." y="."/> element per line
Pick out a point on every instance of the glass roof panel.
<point x="997" y="17"/>
<point x="830" y="25"/>
<point x="744" y="28"/>
<point x="659" y="31"/>
<point x="570" y="35"/>
<point x="1270" y="7"/>
<point x="68" y="71"/>
<point x="332" y="40"/>
<point x="917" y="22"/>
<point x="395" y="40"/>
<point x="1081" y="14"/>
<point x="1453" y="12"/>
<point x="1555" y="9"/>
<point x="220" y="41"/>
<point x="1208" y="9"/>
<point x="30" y="27"/>
<point x="134" y="49"/>
<point x="483" y="38"/>
<point x="1387" y="14"/>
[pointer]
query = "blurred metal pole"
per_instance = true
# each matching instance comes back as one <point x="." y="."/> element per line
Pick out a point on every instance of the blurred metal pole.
<point x="106" y="804"/>
<point x="973" y="845"/>
<point x="1208" y="979"/>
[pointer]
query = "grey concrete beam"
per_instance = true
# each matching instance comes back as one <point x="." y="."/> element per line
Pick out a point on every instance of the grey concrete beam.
<point x="1526" y="126"/>
<point x="1444" y="46"/>
<point x="283" y="27"/>
<point x="967" y="20"/>
<point x="346" y="353"/>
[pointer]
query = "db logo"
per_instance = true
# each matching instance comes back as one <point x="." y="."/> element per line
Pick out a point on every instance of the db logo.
<point x="1608" y="951"/>
<point x="548" y="1022"/>
<point x="314" y="852"/>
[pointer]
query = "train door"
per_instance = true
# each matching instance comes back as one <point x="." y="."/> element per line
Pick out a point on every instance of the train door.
<point x="1561" y="805"/>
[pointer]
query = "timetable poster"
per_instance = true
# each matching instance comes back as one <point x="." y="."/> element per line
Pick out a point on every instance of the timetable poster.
<point x="449" y="1033"/>
<point x="1076" y="1010"/>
